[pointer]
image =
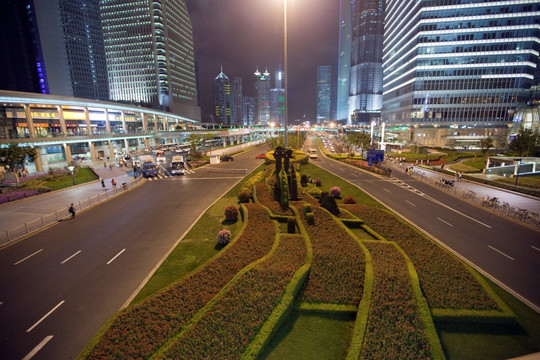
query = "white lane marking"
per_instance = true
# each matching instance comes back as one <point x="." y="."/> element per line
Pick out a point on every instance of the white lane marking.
<point x="44" y="317"/>
<point x="38" y="347"/>
<point x="454" y="210"/>
<point x="117" y="255"/>
<point x="388" y="191"/>
<point x="534" y="247"/>
<point x="72" y="256"/>
<point x="28" y="257"/>
<point x="446" y="222"/>
<point x="410" y="203"/>
<point x="500" y="252"/>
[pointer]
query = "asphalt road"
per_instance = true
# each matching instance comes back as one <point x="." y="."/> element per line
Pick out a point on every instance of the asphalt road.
<point x="504" y="250"/>
<point x="58" y="287"/>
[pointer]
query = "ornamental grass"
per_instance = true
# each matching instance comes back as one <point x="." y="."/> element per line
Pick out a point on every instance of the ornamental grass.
<point x="337" y="272"/>
<point x="227" y="328"/>
<point x="395" y="329"/>
<point x="143" y="328"/>
<point x="445" y="281"/>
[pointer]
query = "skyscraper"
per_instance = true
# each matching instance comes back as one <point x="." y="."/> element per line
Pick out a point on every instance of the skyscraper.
<point x="366" y="81"/>
<point x="324" y="81"/>
<point x="248" y="110"/>
<point x="277" y="99"/>
<point x="149" y="51"/>
<point x="238" y="102"/>
<point x="56" y="47"/>
<point x="222" y="99"/>
<point x="262" y="86"/>
<point x="454" y="75"/>
<point x="344" y="60"/>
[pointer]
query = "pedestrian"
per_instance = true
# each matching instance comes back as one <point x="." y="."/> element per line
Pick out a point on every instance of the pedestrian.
<point x="104" y="164"/>
<point x="102" y="184"/>
<point x="460" y="175"/>
<point x="110" y="166"/>
<point x="442" y="166"/>
<point x="72" y="211"/>
<point x="113" y="182"/>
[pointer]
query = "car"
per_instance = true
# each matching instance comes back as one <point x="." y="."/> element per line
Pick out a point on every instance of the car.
<point x="261" y="156"/>
<point x="227" y="158"/>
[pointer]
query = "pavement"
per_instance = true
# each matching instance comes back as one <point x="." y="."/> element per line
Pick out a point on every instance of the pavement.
<point x="19" y="218"/>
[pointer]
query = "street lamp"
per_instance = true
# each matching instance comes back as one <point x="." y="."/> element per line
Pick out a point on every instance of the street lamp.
<point x="71" y="168"/>
<point x="285" y="70"/>
<point x="517" y="170"/>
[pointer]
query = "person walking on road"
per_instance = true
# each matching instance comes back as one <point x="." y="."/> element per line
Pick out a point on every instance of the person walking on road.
<point x="72" y="211"/>
<point x="102" y="184"/>
<point x="113" y="182"/>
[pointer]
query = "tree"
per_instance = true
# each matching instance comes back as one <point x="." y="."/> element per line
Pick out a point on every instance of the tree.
<point x="14" y="156"/>
<point x="194" y="141"/>
<point x="524" y="142"/>
<point x="485" y="145"/>
<point x="358" y="139"/>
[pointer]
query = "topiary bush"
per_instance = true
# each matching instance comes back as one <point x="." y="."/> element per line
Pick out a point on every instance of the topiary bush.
<point x="329" y="203"/>
<point x="231" y="213"/>
<point x="223" y="237"/>
<point x="303" y="180"/>
<point x="335" y="192"/>
<point x="310" y="218"/>
<point x="307" y="208"/>
<point x="244" y="196"/>
<point x="291" y="226"/>
<point x="349" y="200"/>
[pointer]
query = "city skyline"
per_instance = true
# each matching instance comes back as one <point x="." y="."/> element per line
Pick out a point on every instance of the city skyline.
<point x="248" y="35"/>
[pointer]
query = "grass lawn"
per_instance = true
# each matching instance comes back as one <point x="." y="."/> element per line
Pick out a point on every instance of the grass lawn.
<point x="311" y="336"/>
<point x="526" y="181"/>
<point x="83" y="175"/>
<point x="198" y="245"/>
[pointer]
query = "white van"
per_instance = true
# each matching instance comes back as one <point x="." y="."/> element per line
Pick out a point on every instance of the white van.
<point x="312" y="153"/>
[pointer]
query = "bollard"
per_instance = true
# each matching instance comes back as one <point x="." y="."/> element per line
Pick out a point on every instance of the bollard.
<point x="7" y="234"/>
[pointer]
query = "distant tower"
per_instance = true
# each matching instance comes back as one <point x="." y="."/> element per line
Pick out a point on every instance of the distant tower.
<point x="149" y="51"/>
<point x="53" y="47"/>
<point x="237" y="101"/>
<point x="344" y="60"/>
<point x="324" y="86"/>
<point x="248" y="111"/>
<point x="222" y="99"/>
<point x="277" y="99"/>
<point x="262" y="97"/>
<point x="366" y="81"/>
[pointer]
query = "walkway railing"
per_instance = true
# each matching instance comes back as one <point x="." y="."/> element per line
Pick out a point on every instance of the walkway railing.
<point x="39" y="223"/>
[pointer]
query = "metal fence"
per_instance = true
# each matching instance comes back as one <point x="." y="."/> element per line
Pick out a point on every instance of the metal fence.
<point x="37" y="224"/>
<point x="490" y="203"/>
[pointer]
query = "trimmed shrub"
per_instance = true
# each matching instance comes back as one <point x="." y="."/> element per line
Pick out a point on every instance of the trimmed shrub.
<point x="329" y="203"/>
<point x="310" y="218"/>
<point x="322" y="197"/>
<point x="303" y="180"/>
<point x="244" y="196"/>
<point x="291" y="226"/>
<point x="307" y="208"/>
<point x="349" y="200"/>
<point x="223" y="237"/>
<point x="335" y="192"/>
<point x="231" y="213"/>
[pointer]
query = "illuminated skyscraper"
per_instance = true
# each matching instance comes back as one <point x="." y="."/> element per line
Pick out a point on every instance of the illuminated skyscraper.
<point x="223" y="100"/>
<point x="366" y="81"/>
<point x="53" y="47"/>
<point x="149" y="50"/>
<point x="262" y="97"/>
<point x="324" y="87"/>
<point x="344" y="60"/>
<point x="454" y="75"/>
<point x="237" y="101"/>
<point x="277" y="99"/>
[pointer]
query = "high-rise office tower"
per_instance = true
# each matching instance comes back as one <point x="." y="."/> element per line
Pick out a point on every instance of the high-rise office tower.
<point x="366" y="81"/>
<point x="457" y="74"/>
<point x="344" y="60"/>
<point x="238" y="102"/>
<point x="262" y="86"/>
<point x="149" y="51"/>
<point x="55" y="47"/>
<point x="324" y="87"/>
<point x="277" y="99"/>
<point x="248" y="111"/>
<point x="222" y="99"/>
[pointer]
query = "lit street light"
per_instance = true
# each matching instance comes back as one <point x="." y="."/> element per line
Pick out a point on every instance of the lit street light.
<point x="71" y="168"/>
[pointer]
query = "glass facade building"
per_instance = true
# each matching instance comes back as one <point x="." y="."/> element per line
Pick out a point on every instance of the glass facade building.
<point x="461" y="67"/>
<point x="366" y="79"/>
<point x="262" y="87"/>
<point x="222" y="99"/>
<point x="324" y="92"/>
<point x="150" y="56"/>
<point x="344" y="60"/>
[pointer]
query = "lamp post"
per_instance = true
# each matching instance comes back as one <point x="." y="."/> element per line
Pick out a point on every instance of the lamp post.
<point x="71" y="168"/>
<point x="286" y="142"/>
<point x="517" y="170"/>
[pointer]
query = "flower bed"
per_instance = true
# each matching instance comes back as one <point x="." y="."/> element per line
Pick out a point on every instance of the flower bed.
<point x="445" y="281"/>
<point x="265" y="197"/>
<point x="142" y="329"/>
<point x="395" y="329"/>
<point x="337" y="272"/>
<point x="226" y="329"/>
<point x="17" y="195"/>
<point x="363" y="165"/>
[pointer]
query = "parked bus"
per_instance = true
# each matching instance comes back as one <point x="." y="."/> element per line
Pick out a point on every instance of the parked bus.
<point x="177" y="165"/>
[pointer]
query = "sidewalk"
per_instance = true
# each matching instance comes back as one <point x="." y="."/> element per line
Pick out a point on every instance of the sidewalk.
<point x="24" y="216"/>
<point x="521" y="207"/>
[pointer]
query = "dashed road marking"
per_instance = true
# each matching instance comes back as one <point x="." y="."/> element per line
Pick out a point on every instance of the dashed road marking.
<point x="38" y="347"/>
<point x="45" y="316"/>
<point x="28" y="257"/>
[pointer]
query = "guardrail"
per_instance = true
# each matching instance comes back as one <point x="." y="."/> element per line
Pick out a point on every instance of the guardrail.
<point x="492" y="204"/>
<point x="29" y="227"/>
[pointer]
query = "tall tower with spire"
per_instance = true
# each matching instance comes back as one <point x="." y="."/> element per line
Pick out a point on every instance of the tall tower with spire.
<point x="262" y="97"/>
<point x="222" y="99"/>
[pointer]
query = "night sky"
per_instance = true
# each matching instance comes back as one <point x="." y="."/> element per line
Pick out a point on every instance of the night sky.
<point x="243" y="34"/>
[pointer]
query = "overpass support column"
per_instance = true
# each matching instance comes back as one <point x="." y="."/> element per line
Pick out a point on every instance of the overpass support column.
<point x="67" y="150"/>
<point x="63" y="129"/>
<point x="37" y="160"/>
<point x="225" y="141"/>
<point x="126" y="145"/>
<point x="107" y="122"/>
<point x="87" y="120"/>
<point x="29" y="121"/>
<point x="111" y="149"/>
<point x="92" y="151"/>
